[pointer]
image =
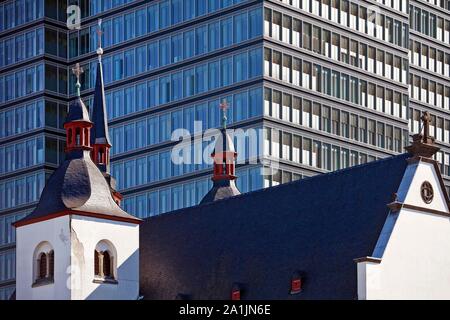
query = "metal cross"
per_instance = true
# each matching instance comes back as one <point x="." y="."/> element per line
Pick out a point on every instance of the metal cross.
<point x="77" y="71"/>
<point x="99" y="33"/>
<point x="224" y="107"/>
<point x="426" y="118"/>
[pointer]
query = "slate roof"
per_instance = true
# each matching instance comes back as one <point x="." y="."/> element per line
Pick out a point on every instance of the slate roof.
<point x="315" y="226"/>
<point x="221" y="189"/>
<point x="99" y="133"/>
<point x="77" y="185"/>
<point x="77" y="111"/>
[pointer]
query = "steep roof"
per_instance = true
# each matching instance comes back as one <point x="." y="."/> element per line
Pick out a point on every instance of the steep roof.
<point x="316" y="226"/>
<point x="99" y="134"/>
<point x="78" y="186"/>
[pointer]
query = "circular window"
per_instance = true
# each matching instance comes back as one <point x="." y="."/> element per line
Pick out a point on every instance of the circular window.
<point x="427" y="192"/>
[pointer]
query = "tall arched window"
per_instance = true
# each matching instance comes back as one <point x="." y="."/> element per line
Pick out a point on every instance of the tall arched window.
<point x="105" y="262"/>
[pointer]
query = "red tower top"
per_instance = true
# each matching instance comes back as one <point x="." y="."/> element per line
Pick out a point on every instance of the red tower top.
<point x="224" y="155"/>
<point x="78" y="125"/>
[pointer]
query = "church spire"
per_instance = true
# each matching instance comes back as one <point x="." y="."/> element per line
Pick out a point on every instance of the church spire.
<point x="224" y="156"/>
<point x="100" y="138"/>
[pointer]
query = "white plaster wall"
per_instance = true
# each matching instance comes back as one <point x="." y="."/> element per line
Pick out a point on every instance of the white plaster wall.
<point x="87" y="232"/>
<point x="57" y="233"/>
<point x="416" y="261"/>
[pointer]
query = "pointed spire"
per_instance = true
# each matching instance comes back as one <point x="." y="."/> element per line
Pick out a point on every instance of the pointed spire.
<point x="100" y="135"/>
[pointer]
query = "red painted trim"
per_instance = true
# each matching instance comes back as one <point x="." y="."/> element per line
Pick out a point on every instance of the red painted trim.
<point x="78" y="213"/>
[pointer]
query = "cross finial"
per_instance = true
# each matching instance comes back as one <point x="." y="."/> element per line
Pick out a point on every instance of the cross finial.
<point x="99" y="38"/>
<point x="224" y="107"/>
<point x="426" y="119"/>
<point x="78" y="71"/>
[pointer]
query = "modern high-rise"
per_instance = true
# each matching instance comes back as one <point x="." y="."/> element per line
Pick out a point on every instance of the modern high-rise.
<point x="334" y="83"/>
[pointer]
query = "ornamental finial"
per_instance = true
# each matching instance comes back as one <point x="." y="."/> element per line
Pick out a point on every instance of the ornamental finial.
<point x="99" y="39"/>
<point x="224" y="107"/>
<point x="78" y="71"/>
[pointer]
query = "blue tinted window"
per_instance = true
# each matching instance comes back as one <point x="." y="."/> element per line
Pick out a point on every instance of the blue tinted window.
<point x="164" y="47"/>
<point x="164" y="14"/>
<point x="152" y="55"/>
<point x="189" y="44"/>
<point x="226" y="71"/>
<point x="201" y="40"/>
<point x="240" y="27"/>
<point x="214" y="36"/>
<point x="226" y="32"/>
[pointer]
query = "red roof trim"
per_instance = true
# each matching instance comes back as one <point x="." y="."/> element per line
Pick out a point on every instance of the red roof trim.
<point x="78" y="213"/>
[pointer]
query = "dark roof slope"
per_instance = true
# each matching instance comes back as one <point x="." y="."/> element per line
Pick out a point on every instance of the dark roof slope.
<point x="100" y="132"/>
<point x="221" y="189"/>
<point x="77" y="185"/>
<point x="315" y="226"/>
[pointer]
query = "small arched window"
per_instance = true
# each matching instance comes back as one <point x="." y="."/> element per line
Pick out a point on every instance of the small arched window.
<point x="44" y="264"/>
<point x="105" y="262"/>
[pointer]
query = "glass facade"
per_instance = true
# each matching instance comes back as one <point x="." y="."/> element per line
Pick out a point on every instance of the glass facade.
<point x="329" y="84"/>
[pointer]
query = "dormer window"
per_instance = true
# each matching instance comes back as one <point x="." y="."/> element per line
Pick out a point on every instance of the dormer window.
<point x="44" y="264"/>
<point x="105" y="263"/>
<point x="236" y="292"/>
<point x="236" y="295"/>
<point x="296" y="283"/>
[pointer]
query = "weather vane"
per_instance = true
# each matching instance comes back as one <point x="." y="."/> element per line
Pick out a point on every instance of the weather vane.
<point x="224" y="107"/>
<point x="78" y="71"/>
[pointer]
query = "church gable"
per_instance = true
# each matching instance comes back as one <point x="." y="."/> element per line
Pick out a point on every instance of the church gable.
<point x="422" y="186"/>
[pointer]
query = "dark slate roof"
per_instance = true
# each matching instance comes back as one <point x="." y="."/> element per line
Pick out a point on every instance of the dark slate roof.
<point x="316" y="227"/>
<point x="77" y="185"/>
<point x="77" y="111"/>
<point x="221" y="189"/>
<point x="100" y="132"/>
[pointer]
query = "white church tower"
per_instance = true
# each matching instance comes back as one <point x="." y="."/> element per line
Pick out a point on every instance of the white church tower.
<point x="78" y="244"/>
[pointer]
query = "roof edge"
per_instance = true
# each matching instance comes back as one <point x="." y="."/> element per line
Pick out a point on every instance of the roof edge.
<point x="55" y="215"/>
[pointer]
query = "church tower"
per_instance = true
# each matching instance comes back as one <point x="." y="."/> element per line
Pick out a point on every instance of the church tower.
<point x="78" y="244"/>
<point x="224" y="155"/>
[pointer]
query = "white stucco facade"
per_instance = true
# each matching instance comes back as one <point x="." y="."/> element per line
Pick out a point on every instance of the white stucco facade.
<point x="55" y="232"/>
<point x="415" y="256"/>
<point x="73" y="239"/>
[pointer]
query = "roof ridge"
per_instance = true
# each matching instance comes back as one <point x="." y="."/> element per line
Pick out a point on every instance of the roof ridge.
<point x="285" y="185"/>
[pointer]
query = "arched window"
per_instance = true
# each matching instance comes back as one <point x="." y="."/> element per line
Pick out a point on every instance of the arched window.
<point x="44" y="264"/>
<point x="105" y="262"/>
